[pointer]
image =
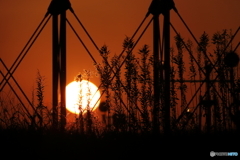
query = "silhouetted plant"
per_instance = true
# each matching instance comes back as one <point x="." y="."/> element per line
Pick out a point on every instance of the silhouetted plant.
<point x="85" y="118"/>
<point x="39" y="93"/>
<point x="145" y="80"/>
<point x="42" y="115"/>
<point x="105" y="76"/>
<point x="178" y="59"/>
<point x="174" y="97"/>
<point x="118" y="92"/>
<point x="80" y="118"/>
<point x="192" y="76"/>
<point x="131" y="81"/>
<point x="89" y="118"/>
<point x="220" y="40"/>
<point x="203" y="42"/>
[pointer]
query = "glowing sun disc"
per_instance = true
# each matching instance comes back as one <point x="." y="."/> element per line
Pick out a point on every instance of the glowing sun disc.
<point x="81" y="95"/>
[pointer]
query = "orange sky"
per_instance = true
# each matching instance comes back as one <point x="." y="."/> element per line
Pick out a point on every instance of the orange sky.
<point x="107" y="21"/>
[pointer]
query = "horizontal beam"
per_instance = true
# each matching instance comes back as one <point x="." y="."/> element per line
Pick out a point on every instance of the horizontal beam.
<point x="194" y="81"/>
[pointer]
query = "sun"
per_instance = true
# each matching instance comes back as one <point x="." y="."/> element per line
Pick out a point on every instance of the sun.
<point x="82" y="95"/>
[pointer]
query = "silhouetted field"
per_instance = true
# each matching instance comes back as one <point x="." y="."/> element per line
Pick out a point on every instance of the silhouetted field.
<point x="54" y="145"/>
<point x="199" y="120"/>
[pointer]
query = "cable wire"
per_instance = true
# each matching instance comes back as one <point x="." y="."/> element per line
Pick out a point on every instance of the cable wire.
<point x="89" y="53"/>
<point x="24" y="54"/>
<point x="24" y="47"/>
<point x="20" y="89"/>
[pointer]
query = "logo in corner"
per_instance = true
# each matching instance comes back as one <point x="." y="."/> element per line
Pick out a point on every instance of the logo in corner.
<point x="212" y="154"/>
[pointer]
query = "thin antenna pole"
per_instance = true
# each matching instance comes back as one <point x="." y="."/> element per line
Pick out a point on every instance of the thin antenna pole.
<point x="156" y="71"/>
<point x="167" y="72"/>
<point x="59" y="7"/>
<point x="63" y="68"/>
<point x="55" y="69"/>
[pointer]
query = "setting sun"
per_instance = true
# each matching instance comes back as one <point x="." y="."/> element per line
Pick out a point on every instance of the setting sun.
<point x="81" y="95"/>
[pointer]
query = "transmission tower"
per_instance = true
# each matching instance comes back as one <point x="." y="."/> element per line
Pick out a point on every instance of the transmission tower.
<point x="58" y="8"/>
<point x="161" y="54"/>
<point x="57" y="11"/>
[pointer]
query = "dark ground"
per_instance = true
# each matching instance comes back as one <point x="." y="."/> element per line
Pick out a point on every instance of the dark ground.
<point x="42" y="146"/>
